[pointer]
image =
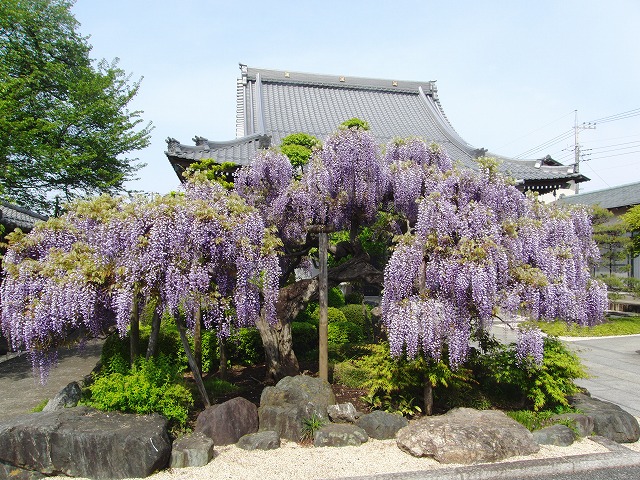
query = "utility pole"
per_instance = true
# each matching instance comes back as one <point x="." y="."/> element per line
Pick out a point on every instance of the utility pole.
<point x="576" y="142"/>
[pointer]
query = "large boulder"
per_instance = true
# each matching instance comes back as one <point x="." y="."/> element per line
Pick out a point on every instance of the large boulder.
<point x="284" y="407"/>
<point x="609" y="420"/>
<point x="583" y="424"/>
<point x="339" y="435"/>
<point x="464" y="435"/>
<point x="382" y="425"/>
<point x="82" y="442"/>
<point x="342" y="413"/>
<point x="227" y="422"/>
<point x="193" y="450"/>
<point x="68" y="397"/>
<point x="559" y="435"/>
<point x="266" y="440"/>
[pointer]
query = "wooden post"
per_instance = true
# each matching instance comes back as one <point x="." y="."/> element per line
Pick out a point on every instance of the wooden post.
<point x="323" y="295"/>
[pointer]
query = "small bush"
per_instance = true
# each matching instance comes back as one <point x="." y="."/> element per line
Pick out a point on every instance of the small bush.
<point x="216" y="387"/>
<point x="354" y="298"/>
<point x="149" y="386"/>
<point x="245" y="347"/>
<point x="357" y="314"/>
<point x="335" y="298"/>
<point x="547" y="385"/>
<point x="308" y="314"/>
<point x="305" y="337"/>
<point x="341" y="333"/>
<point x="355" y="123"/>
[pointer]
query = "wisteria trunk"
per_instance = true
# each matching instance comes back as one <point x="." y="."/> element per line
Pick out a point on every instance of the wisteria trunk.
<point x="152" y="347"/>
<point x="428" y="397"/>
<point x="279" y="356"/>
<point x="182" y="329"/>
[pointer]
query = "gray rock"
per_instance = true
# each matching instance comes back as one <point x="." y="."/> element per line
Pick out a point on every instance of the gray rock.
<point x="227" y="422"/>
<point x="340" y="435"/>
<point x="14" y="473"/>
<point x="559" y="435"/>
<point x="464" y="435"/>
<point x="266" y="440"/>
<point x="68" y="397"/>
<point x="609" y="420"/>
<point x="382" y="425"/>
<point x="342" y="413"/>
<point x="193" y="450"/>
<point x="582" y="423"/>
<point x="82" y="442"/>
<point x="284" y="407"/>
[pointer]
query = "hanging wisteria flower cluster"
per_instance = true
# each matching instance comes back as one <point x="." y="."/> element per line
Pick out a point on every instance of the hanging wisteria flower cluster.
<point x="480" y="247"/>
<point x="204" y="248"/>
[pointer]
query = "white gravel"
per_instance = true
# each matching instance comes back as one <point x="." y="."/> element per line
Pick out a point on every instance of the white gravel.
<point x="374" y="457"/>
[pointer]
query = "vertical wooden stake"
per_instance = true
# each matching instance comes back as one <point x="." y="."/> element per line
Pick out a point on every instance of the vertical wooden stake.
<point x="323" y="295"/>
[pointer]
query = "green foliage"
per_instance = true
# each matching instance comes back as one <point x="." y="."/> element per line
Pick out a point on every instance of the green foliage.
<point x="335" y="298"/>
<point x="611" y="326"/>
<point x="244" y="347"/>
<point x="305" y="337"/>
<point x="221" y="173"/>
<point x="309" y="315"/>
<point x="333" y="315"/>
<point x="355" y="123"/>
<point x="298" y="148"/>
<point x="611" y="235"/>
<point x="217" y="388"/>
<point x="341" y="333"/>
<point x="66" y="123"/>
<point x="354" y="298"/>
<point x="535" y="420"/>
<point x="310" y="426"/>
<point x="632" y="220"/>
<point x="359" y="315"/>
<point x="40" y="406"/>
<point x="393" y="385"/>
<point x="545" y="386"/>
<point x="153" y="385"/>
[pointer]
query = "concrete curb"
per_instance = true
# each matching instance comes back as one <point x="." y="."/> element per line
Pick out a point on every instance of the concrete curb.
<point x="618" y="456"/>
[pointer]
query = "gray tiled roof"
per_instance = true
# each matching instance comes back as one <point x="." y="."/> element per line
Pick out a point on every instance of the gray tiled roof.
<point x="622" y="196"/>
<point x="278" y="103"/>
<point x="13" y="216"/>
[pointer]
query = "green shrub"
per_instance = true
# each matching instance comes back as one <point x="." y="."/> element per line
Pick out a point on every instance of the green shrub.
<point x="308" y="314"/>
<point x="354" y="298"/>
<point x="305" y="337"/>
<point x="547" y="385"/>
<point x="358" y="314"/>
<point x="244" y="347"/>
<point x="216" y="387"/>
<point x="335" y="298"/>
<point x="355" y="123"/>
<point x="334" y="315"/>
<point x="150" y="386"/>
<point x="533" y="420"/>
<point x="343" y="332"/>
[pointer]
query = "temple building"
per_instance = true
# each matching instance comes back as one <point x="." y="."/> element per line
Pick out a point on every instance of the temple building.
<point x="272" y="104"/>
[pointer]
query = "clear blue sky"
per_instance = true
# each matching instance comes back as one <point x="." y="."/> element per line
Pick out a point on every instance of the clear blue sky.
<point x="510" y="73"/>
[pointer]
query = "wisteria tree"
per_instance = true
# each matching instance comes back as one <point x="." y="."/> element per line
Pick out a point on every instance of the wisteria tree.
<point x="198" y="254"/>
<point x="470" y="247"/>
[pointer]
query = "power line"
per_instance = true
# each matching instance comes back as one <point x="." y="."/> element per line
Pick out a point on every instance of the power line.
<point x="614" y="155"/>
<point x="618" y="116"/>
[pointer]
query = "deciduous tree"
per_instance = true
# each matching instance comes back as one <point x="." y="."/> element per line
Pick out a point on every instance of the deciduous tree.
<point x="65" y="125"/>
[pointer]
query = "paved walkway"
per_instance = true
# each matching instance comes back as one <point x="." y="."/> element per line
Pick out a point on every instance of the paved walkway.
<point x="21" y="391"/>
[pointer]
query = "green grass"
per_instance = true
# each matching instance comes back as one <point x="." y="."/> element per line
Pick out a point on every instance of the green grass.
<point x="40" y="406"/>
<point x="611" y="326"/>
<point x="217" y="388"/>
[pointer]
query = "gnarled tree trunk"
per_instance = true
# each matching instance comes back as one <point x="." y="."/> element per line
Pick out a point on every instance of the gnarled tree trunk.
<point x="278" y="347"/>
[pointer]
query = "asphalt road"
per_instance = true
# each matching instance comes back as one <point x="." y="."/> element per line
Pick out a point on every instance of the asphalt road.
<point x="614" y="366"/>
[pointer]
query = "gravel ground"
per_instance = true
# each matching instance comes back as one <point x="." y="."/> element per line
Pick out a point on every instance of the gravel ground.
<point x="373" y="457"/>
